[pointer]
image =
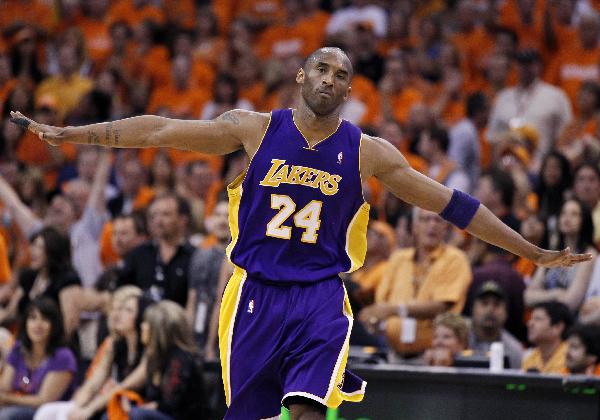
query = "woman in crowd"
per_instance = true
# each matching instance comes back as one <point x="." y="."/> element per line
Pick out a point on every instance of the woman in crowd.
<point x="115" y="362"/>
<point x="39" y="369"/>
<point x="450" y="337"/>
<point x="174" y="379"/>
<point x="567" y="285"/>
<point x="555" y="181"/>
<point x="49" y="275"/>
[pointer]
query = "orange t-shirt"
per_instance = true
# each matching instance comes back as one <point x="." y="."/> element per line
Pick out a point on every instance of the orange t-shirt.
<point x="36" y="13"/>
<point x="403" y="101"/>
<point x="5" y="271"/>
<point x="472" y="47"/>
<point x="97" y="38"/>
<point x="573" y="66"/>
<point x="126" y="10"/>
<point x="182" y="103"/>
<point x="529" y="35"/>
<point x="180" y="12"/>
<point x="365" y="91"/>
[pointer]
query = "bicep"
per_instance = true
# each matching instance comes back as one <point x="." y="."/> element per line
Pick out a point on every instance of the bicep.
<point x="227" y="133"/>
<point x="382" y="160"/>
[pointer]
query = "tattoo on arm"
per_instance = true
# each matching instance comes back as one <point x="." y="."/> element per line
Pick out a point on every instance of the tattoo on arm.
<point x="93" y="138"/>
<point x="117" y="136"/>
<point x="231" y="116"/>
<point x="107" y="130"/>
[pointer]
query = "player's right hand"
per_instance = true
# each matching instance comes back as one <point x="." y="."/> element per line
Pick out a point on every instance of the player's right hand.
<point x="48" y="133"/>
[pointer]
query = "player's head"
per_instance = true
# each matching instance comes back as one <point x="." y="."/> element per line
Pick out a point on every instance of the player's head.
<point x="325" y="80"/>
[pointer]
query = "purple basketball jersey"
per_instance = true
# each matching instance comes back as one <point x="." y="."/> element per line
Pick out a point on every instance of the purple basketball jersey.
<point x="298" y="213"/>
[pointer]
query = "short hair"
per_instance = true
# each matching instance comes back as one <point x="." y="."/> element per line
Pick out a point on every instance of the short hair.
<point x="324" y="50"/>
<point x="557" y="312"/>
<point x="503" y="183"/>
<point x="51" y="312"/>
<point x="589" y="336"/>
<point x="138" y="218"/>
<point x="440" y="136"/>
<point x="454" y="322"/>
<point x="476" y="102"/>
<point x="183" y="207"/>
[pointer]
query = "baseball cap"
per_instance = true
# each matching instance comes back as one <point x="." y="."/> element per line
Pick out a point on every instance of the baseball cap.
<point x="490" y="287"/>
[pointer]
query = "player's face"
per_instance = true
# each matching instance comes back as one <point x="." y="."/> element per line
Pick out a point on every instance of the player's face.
<point x="325" y="83"/>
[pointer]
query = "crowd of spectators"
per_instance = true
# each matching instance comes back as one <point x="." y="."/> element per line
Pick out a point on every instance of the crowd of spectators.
<point x="112" y="261"/>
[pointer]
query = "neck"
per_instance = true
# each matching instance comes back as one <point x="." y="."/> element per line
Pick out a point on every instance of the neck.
<point x="527" y="83"/>
<point x="571" y="242"/>
<point x="423" y="251"/>
<point x="547" y="349"/>
<point x="38" y="351"/>
<point x="487" y="334"/>
<point x="169" y="242"/>
<point x="308" y="120"/>
<point x="131" y="340"/>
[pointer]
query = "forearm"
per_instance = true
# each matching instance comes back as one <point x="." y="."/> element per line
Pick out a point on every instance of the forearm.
<point x="487" y="227"/>
<point x="534" y="296"/>
<point x="26" y="400"/>
<point x="141" y="131"/>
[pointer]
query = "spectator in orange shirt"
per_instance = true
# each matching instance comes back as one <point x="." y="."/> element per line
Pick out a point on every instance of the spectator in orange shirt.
<point x="247" y="72"/>
<point x="208" y="44"/>
<point x="471" y="40"/>
<point x="561" y="33"/>
<point x="579" y="62"/>
<point x="202" y="72"/>
<point x="288" y="37"/>
<point x="181" y="96"/>
<point x="526" y="18"/>
<point x="397" y="96"/>
<point x="7" y="81"/>
<point x="31" y="12"/>
<point x="95" y="29"/>
<point x="583" y="350"/>
<point x="225" y="98"/>
<point x="134" y="12"/>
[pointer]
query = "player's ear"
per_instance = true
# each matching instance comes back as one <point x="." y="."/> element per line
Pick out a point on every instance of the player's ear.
<point x="348" y="92"/>
<point x="300" y="76"/>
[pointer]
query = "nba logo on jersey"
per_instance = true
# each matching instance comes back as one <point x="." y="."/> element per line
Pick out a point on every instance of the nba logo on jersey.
<point x="251" y="306"/>
<point x="340" y="157"/>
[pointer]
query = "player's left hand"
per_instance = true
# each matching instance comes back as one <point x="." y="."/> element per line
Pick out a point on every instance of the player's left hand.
<point x="564" y="258"/>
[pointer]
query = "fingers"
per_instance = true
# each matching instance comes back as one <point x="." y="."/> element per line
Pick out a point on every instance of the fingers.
<point x="19" y="119"/>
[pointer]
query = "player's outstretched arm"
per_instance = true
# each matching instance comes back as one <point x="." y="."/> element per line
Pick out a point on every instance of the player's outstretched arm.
<point x="228" y="132"/>
<point x="381" y="159"/>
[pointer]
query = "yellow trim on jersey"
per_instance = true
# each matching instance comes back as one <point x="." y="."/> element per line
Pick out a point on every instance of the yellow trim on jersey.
<point x="320" y="141"/>
<point x="229" y="307"/>
<point x="335" y="396"/>
<point x="356" y="237"/>
<point x="234" y="192"/>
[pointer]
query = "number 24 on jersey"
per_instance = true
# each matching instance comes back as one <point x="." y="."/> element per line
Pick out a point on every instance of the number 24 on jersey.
<point x="307" y="218"/>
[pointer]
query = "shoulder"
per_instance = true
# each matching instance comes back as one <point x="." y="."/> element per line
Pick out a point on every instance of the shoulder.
<point x="401" y="255"/>
<point x="69" y="278"/>
<point x="248" y="127"/>
<point x="63" y="359"/>
<point x="379" y="156"/>
<point x="452" y="253"/>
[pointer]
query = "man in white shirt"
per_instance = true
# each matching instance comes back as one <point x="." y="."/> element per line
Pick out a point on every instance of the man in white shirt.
<point x="531" y="102"/>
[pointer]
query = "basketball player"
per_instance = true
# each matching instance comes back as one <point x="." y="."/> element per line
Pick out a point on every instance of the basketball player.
<point x="298" y="219"/>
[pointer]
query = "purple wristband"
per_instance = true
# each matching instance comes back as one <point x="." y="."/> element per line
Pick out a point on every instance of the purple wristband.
<point x="461" y="209"/>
